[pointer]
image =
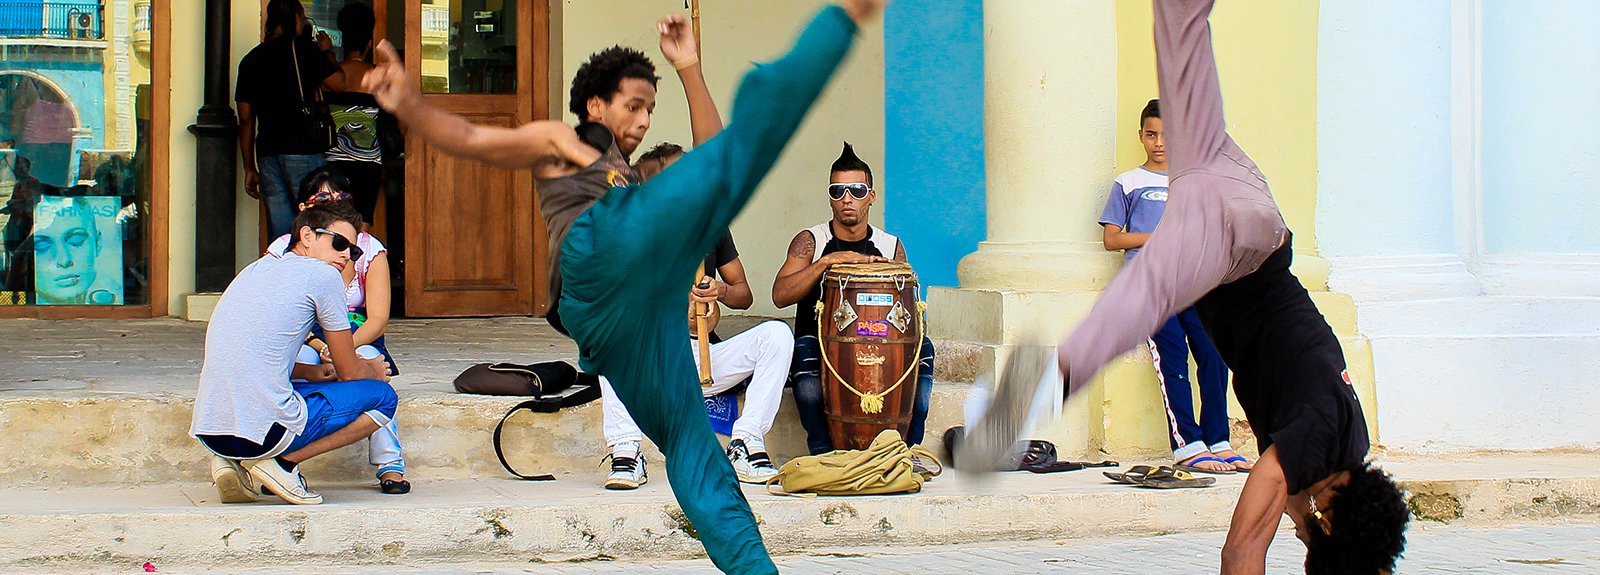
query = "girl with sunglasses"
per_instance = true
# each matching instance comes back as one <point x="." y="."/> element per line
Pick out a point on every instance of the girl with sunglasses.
<point x="367" y="293"/>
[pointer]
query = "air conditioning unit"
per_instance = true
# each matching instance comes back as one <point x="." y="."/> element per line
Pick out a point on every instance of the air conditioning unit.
<point x="81" y="23"/>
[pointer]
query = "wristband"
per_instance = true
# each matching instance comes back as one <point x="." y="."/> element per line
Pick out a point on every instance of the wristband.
<point x="686" y="62"/>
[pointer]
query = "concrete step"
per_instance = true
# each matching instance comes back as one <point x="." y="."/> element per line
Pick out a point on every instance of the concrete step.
<point x="573" y="519"/>
<point x="109" y="402"/>
<point x="142" y="439"/>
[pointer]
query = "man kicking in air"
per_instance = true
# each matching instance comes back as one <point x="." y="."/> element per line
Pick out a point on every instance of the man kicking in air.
<point x="1224" y="248"/>
<point x="630" y="250"/>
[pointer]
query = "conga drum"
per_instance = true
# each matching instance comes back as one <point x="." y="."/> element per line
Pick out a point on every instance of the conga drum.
<point x="869" y="324"/>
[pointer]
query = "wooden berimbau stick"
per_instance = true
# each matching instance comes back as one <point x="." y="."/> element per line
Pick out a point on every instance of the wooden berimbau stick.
<point x="702" y="329"/>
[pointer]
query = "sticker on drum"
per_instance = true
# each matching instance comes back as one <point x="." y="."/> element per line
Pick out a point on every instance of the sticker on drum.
<point x="869" y="359"/>
<point x="899" y="317"/>
<point x="873" y="328"/>
<point x="875" y="299"/>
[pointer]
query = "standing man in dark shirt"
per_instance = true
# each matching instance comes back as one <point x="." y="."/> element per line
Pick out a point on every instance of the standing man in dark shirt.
<point x="845" y="239"/>
<point x="1223" y="247"/>
<point x="274" y="79"/>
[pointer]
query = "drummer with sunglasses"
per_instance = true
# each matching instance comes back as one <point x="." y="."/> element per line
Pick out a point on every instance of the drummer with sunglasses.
<point x="848" y="238"/>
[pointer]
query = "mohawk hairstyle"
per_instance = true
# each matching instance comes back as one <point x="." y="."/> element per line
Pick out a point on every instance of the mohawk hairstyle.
<point x="849" y="162"/>
<point x="602" y="76"/>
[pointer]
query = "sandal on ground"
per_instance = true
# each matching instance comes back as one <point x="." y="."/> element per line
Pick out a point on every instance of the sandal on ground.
<point x="1131" y="476"/>
<point x="1168" y="478"/>
<point x="392" y="487"/>
<point x="1190" y="467"/>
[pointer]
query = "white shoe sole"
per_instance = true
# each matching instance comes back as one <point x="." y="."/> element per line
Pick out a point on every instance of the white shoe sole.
<point x="271" y="483"/>
<point x="620" y="484"/>
<point x="233" y="489"/>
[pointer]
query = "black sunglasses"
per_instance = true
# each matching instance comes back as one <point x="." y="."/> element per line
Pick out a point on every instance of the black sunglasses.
<point x="858" y="191"/>
<point x="341" y="244"/>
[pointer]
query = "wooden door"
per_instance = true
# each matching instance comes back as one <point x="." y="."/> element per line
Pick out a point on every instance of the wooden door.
<point x="474" y="238"/>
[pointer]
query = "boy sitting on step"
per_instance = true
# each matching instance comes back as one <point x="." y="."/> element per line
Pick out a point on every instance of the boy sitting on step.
<point x="247" y="412"/>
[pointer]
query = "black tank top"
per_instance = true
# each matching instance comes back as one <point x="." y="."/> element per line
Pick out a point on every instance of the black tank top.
<point x="805" y="315"/>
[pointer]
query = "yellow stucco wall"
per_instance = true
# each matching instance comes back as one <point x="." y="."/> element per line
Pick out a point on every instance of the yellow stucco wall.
<point x="1267" y="57"/>
<point x="735" y="33"/>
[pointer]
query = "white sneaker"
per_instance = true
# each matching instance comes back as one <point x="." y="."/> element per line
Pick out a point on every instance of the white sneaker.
<point x="289" y="485"/>
<point x="1015" y="398"/>
<point x="751" y="462"/>
<point x="233" y="482"/>
<point x="627" y="467"/>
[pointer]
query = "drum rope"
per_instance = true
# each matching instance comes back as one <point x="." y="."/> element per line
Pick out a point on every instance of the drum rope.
<point x="873" y="402"/>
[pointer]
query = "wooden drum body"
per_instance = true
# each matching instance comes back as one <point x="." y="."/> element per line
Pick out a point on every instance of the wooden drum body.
<point x="871" y="338"/>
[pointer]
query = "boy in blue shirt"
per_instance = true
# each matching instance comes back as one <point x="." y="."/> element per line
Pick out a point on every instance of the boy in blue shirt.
<point x="1138" y="198"/>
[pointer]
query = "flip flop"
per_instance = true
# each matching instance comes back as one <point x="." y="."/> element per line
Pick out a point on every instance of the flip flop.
<point x="1230" y="461"/>
<point x="392" y="487"/>
<point x="1131" y="476"/>
<point x="1167" y="478"/>
<point x="1193" y="469"/>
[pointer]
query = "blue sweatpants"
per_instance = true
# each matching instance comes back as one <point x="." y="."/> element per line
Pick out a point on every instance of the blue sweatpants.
<point x="1171" y="347"/>
<point x="628" y="262"/>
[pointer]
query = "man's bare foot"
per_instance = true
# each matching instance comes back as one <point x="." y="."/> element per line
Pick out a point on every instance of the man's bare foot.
<point x="1207" y="461"/>
<point x="1240" y="463"/>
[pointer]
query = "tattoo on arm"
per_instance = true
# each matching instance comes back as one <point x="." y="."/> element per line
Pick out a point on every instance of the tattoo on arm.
<point x="803" y="246"/>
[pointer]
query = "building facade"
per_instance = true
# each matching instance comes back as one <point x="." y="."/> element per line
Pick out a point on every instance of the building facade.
<point x="1431" y="156"/>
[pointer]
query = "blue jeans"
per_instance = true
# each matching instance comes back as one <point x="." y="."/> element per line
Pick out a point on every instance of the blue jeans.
<point x="806" y="374"/>
<point x="280" y="184"/>
<point x="331" y="406"/>
<point x="1171" y="347"/>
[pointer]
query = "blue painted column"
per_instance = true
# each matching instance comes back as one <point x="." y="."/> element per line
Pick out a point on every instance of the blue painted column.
<point x="933" y="95"/>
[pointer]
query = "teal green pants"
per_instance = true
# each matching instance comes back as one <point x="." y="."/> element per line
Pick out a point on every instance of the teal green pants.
<point x="628" y="262"/>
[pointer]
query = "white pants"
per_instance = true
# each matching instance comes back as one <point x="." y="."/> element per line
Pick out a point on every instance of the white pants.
<point x="383" y="449"/>
<point x="761" y="354"/>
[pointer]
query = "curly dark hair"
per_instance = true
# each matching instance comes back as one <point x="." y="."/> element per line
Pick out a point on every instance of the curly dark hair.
<point x="602" y="76"/>
<point x="1368" y="527"/>
<point x="661" y="152"/>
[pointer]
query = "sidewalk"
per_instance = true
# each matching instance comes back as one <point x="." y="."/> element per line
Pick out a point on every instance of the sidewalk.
<point x="1502" y="550"/>
<point x="573" y="519"/>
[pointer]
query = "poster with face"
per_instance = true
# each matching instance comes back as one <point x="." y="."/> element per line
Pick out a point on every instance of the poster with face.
<point x="77" y="251"/>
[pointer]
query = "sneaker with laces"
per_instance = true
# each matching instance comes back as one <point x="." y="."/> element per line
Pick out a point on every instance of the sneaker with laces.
<point x="627" y="467"/>
<point x="288" y="484"/>
<point x="233" y="482"/>
<point x="751" y="462"/>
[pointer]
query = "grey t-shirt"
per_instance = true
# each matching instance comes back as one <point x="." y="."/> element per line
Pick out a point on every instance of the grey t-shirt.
<point x="255" y="332"/>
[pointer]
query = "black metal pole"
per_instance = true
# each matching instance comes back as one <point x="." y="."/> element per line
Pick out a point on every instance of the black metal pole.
<point x="216" y="173"/>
